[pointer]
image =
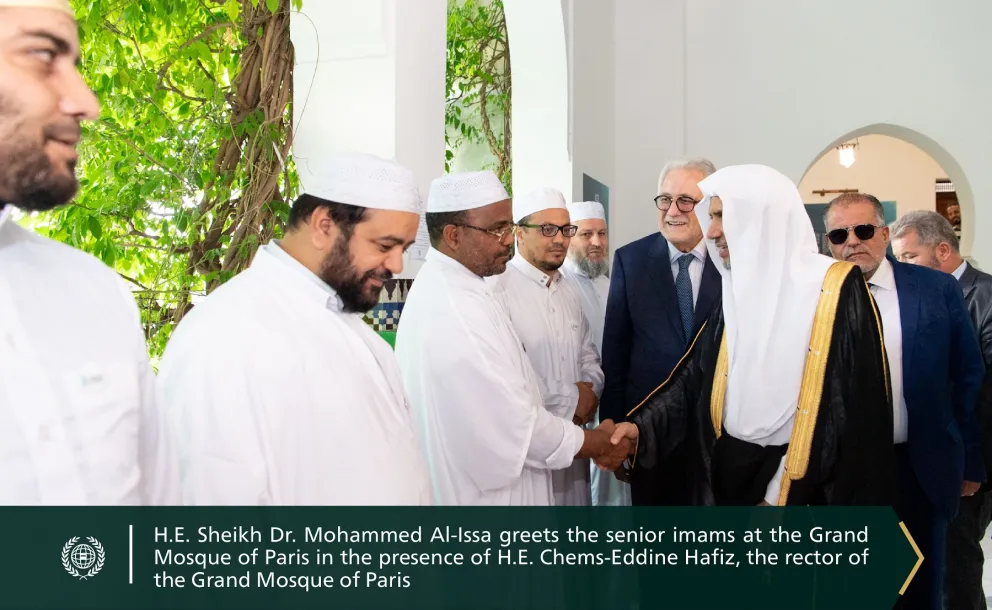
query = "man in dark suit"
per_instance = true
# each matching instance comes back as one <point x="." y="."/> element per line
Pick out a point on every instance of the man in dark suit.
<point x="936" y="371"/>
<point x="928" y="239"/>
<point x="662" y="287"/>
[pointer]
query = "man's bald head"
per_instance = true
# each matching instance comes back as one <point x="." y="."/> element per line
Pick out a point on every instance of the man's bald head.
<point x="43" y="100"/>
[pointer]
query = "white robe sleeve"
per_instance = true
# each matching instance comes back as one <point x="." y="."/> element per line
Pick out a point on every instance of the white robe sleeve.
<point x="208" y="396"/>
<point x="589" y="361"/>
<point x="492" y="422"/>
<point x="560" y="399"/>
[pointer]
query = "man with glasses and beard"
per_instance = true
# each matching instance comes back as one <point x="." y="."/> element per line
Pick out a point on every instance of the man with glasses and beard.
<point x="476" y="399"/>
<point x="79" y="424"/>
<point x="936" y="372"/>
<point x="280" y="393"/>
<point x="546" y="312"/>
<point x="782" y="397"/>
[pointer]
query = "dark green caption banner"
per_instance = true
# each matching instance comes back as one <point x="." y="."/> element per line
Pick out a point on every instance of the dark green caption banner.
<point x="462" y="558"/>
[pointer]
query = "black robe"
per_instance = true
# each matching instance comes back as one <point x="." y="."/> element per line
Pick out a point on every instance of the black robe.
<point x="850" y="456"/>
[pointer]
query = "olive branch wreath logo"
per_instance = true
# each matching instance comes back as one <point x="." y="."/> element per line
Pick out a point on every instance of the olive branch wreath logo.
<point x="67" y="556"/>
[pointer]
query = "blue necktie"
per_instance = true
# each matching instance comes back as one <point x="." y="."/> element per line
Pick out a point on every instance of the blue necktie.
<point x="683" y="288"/>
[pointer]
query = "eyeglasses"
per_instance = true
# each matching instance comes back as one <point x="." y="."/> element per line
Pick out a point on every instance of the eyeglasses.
<point x="684" y="203"/>
<point x="500" y="235"/>
<point x="550" y="230"/>
<point x="862" y="232"/>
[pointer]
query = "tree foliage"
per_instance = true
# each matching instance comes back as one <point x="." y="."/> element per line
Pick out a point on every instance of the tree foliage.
<point x="478" y="80"/>
<point x="187" y="170"/>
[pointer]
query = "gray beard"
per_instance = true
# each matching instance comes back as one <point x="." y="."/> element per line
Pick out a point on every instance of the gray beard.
<point x="591" y="269"/>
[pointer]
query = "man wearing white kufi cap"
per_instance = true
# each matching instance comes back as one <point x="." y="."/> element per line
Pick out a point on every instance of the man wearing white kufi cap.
<point x="546" y="313"/>
<point x="783" y="396"/>
<point x="280" y="393"/>
<point x="476" y="398"/>
<point x="79" y="422"/>
<point x="587" y="268"/>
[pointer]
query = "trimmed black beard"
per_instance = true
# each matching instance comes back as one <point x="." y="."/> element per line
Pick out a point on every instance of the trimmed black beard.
<point x="340" y="274"/>
<point x="27" y="177"/>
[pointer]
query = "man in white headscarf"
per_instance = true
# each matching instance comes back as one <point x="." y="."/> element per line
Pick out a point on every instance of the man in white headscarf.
<point x="279" y="392"/>
<point x="79" y="423"/>
<point x="476" y="398"/>
<point x="783" y="395"/>
<point x="546" y="312"/>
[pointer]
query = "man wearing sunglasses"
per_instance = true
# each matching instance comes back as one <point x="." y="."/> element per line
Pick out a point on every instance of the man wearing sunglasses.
<point x="662" y="287"/>
<point x="936" y="372"/>
<point x="546" y="312"/>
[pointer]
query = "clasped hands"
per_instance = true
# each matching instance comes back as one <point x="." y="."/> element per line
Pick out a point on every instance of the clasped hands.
<point x="616" y="444"/>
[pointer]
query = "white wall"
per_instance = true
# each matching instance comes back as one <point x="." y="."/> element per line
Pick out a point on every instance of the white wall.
<point x="780" y="81"/>
<point x="590" y="39"/>
<point x="889" y="168"/>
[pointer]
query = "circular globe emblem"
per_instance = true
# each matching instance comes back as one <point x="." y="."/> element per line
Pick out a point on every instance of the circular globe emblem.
<point x="82" y="559"/>
<point x="83" y="556"/>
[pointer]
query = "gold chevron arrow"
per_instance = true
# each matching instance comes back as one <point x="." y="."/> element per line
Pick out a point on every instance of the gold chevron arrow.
<point x="919" y="558"/>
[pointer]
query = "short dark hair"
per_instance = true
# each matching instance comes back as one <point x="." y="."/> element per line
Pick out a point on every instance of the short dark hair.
<point x="437" y="221"/>
<point x="849" y="198"/>
<point x="345" y="216"/>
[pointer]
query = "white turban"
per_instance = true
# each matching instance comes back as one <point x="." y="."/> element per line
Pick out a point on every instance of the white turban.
<point x="465" y="191"/>
<point x="361" y="180"/>
<point x="537" y="200"/>
<point x="57" y="5"/>
<point x="586" y="210"/>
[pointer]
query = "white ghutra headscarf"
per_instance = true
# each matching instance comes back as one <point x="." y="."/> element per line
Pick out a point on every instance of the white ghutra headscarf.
<point x="769" y="296"/>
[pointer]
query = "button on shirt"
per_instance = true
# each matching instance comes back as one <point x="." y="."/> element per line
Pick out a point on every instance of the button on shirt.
<point x="883" y="288"/>
<point x="695" y="267"/>
<point x="79" y="420"/>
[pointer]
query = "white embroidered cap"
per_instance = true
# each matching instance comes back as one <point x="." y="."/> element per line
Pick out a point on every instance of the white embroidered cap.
<point x="465" y="191"/>
<point x="544" y="198"/>
<point x="361" y="180"/>
<point x="586" y="210"/>
<point x="58" y="5"/>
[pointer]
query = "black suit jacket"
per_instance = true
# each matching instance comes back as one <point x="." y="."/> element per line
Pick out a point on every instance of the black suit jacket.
<point x="977" y="287"/>
<point x="643" y="338"/>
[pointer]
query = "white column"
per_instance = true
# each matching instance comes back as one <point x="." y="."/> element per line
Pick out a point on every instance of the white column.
<point x="369" y="78"/>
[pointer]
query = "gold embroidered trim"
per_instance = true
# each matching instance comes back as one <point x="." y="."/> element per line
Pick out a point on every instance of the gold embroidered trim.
<point x="637" y="443"/>
<point x="719" y="392"/>
<point x="811" y="391"/>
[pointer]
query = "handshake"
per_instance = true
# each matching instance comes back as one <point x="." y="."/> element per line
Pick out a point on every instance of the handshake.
<point x="609" y="444"/>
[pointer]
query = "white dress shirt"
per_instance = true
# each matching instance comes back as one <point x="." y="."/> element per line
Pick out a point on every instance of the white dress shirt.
<point x="79" y="423"/>
<point x="546" y="313"/>
<point x="883" y="288"/>
<point x="476" y="399"/>
<point x="695" y="266"/>
<point x="281" y="398"/>
<point x="957" y="273"/>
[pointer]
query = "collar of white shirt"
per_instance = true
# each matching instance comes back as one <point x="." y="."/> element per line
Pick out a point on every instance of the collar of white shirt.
<point x="699" y="252"/>
<point x="883" y="277"/>
<point x="334" y="303"/>
<point x="534" y="274"/>
<point x="5" y="213"/>
<point x="453" y="268"/>
<point x="957" y="273"/>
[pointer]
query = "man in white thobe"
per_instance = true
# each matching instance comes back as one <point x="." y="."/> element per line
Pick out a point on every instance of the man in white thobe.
<point x="587" y="268"/>
<point x="280" y="393"/>
<point x="476" y="399"/>
<point x="79" y="423"/>
<point x="546" y="313"/>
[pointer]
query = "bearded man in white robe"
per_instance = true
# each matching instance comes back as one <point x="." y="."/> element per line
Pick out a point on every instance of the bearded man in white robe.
<point x="79" y="422"/>
<point x="476" y="398"/>
<point x="280" y="393"/>
<point x="587" y="267"/>
<point x="547" y="314"/>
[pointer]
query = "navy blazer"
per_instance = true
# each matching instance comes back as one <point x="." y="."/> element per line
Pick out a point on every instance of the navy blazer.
<point x="942" y="371"/>
<point x="643" y="338"/>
